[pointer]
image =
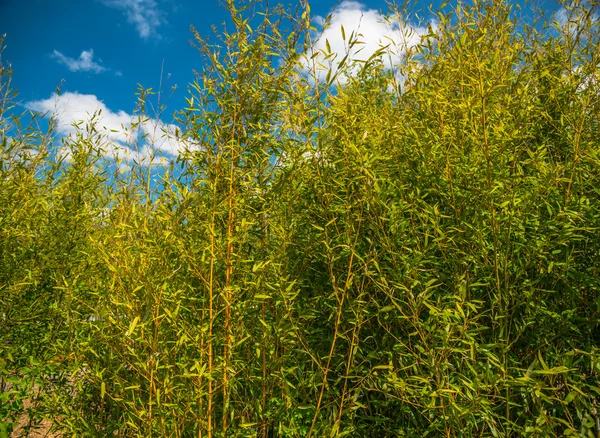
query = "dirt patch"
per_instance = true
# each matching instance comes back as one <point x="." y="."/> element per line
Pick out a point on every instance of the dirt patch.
<point x="26" y="428"/>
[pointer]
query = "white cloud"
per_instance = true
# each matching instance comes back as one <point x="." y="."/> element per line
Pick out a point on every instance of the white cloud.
<point x="370" y="29"/>
<point x="74" y="107"/>
<point x="143" y="14"/>
<point x="84" y="63"/>
<point x="116" y="128"/>
<point x="572" y="16"/>
<point x="163" y="136"/>
<point x="588" y="82"/>
<point x="561" y="16"/>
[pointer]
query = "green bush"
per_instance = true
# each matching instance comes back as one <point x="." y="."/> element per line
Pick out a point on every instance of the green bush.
<point x="407" y="252"/>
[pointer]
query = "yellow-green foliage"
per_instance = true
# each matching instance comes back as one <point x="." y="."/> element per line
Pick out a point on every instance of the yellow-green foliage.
<point x="408" y="253"/>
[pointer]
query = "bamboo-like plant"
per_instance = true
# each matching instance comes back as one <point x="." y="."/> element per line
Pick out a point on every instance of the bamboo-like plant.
<point x="373" y="251"/>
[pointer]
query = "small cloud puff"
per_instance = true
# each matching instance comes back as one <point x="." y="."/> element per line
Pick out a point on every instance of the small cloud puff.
<point x="84" y="63"/>
<point x="143" y="14"/>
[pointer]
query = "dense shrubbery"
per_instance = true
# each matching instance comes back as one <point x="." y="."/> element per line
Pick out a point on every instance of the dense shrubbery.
<point x="407" y="253"/>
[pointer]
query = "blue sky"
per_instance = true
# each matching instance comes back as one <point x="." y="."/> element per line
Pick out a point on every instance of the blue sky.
<point x="100" y="50"/>
<point x="124" y="41"/>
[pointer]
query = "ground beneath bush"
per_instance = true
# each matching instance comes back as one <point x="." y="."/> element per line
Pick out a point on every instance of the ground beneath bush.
<point x="25" y="429"/>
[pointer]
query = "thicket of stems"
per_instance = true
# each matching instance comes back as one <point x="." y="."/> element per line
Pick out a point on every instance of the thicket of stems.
<point x="405" y="252"/>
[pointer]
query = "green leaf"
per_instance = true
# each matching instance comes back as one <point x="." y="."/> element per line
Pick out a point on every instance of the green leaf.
<point x="132" y="326"/>
<point x="262" y="296"/>
<point x="569" y="398"/>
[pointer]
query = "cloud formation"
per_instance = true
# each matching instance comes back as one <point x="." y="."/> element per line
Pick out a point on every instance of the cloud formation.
<point x="371" y="31"/>
<point x="84" y="63"/>
<point x="143" y="14"/>
<point x="571" y="16"/>
<point x="69" y="109"/>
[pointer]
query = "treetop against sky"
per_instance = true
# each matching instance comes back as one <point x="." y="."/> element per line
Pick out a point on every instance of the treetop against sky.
<point x="100" y="51"/>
